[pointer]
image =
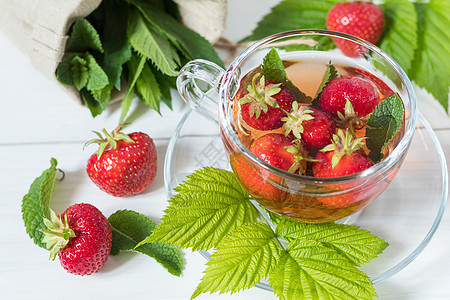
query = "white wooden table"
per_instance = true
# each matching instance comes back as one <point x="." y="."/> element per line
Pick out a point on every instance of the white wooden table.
<point x="39" y="121"/>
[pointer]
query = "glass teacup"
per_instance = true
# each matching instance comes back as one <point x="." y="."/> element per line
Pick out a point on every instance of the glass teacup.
<point x="211" y="91"/>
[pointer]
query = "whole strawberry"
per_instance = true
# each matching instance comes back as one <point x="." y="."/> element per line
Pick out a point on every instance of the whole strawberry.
<point x="81" y="237"/>
<point x="361" y="93"/>
<point x="124" y="165"/>
<point x="313" y="126"/>
<point x="279" y="151"/>
<point x="362" y="19"/>
<point x="343" y="157"/>
<point x="276" y="150"/>
<point x="262" y="106"/>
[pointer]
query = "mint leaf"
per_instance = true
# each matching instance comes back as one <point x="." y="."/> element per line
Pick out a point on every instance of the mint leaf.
<point x="309" y="270"/>
<point x="73" y="70"/>
<point x="115" y="41"/>
<point x="84" y="37"/>
<point x="431" y="65"/>
<point x="294" y="14"/>
<point x="187" y="41"/>
<point x="150" y="43"/>
<point x="400" y="35"/>
<point x="383" y="124"/>
<point x="273" y="69"/>
<point x="129" y="228"/>
<point x="357" y="245"/>
<point x="242" y="259"/>
<point x="330" y="74"/>
<point x="210" y="204"/>
<point x="94" y="106"/>
<point x="97" y="77"/>
<point x="148" y="88"/>
<point x="35" y="204"/>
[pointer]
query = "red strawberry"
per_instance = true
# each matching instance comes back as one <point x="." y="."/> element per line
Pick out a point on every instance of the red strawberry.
<point x="125" y="165"/>
<point x="262" y="106"/>
<point x="362" y="19"/>
<point x="362" y="94"/>
<point x="343" y="157"/>
<point x="279" y="151"/>
<point x="276" y="150"/>
<point x="81" y="236"/>
<point x="314" y="127"/>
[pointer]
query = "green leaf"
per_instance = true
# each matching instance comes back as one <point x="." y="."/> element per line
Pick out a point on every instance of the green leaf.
<point x="273" y="69"/>
<point x="35" y="204"/>
<point x="400" y="36"/>
<point x="79" y="71"/>
<point x="357" y="245"/>
<point x="148" y="88"/>
<point x="293" y="14"/>
<point x="115" y="41"/>
<point x="129" y="228"/>
<point x="149" y="42"/>
<point x="94" y="106"/>
<point x="166" y="84"/>
<point x="135" y="67"/>
<point x="190" y="43"/>
<point x="383" y="124"/>
<point x="84" y="37"/>
<point x="330" y="74"/>
<point x="309" y="270"/>
<point x="431" y="65"/>
<point x="242" y="259"/>
<point x="210" y="204"/>
<point x="97" y="77"/>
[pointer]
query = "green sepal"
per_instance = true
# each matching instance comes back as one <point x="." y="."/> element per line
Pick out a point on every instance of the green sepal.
<point x="58" y="234"/>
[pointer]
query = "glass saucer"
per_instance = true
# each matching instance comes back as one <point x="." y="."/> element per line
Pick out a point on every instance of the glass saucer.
<point x="406" y="215"/>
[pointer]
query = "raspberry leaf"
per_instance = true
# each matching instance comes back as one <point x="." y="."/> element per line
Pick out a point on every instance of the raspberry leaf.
<point x="150" y="43"/>
<point x="188" y="42"/>
<point x="130" y="227"/>
<point x="357" y="245"/>
<point x="309" y="270"/>
<point x="148" y="88"/>
<point x="115" y="42"/>
<point x="400" y="36"/>
<point x="294" y="14"/>
<point x="210" y="204"/>
<point x="84" y="37"/>
<point x="431" y="65"/>
<point x="241" y="260"/>
<point x="35" y="204"/>
<point x="383" y="124"/>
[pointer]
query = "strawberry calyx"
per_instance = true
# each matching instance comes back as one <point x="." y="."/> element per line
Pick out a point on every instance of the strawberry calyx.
<point x="109" y="140"/>
<point x="293" y="121"/>
<point x="349" y="119"/>
<point x="301" y="158"/>
<point x="58" y="233"/>
<point x="260" y="95"/>
<point x="343" y="144"/>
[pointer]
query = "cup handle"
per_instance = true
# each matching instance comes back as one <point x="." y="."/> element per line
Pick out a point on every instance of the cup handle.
<point x="198" y="84"/>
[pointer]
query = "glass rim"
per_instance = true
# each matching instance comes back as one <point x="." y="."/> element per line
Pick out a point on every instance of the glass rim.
<point x="377" y="168"/>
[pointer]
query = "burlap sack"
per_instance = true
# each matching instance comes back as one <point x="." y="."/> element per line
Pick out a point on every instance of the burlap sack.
<point x="40" y="27"/>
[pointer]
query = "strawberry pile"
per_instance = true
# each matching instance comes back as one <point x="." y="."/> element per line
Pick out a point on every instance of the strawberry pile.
<point x="322" y="138"/>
